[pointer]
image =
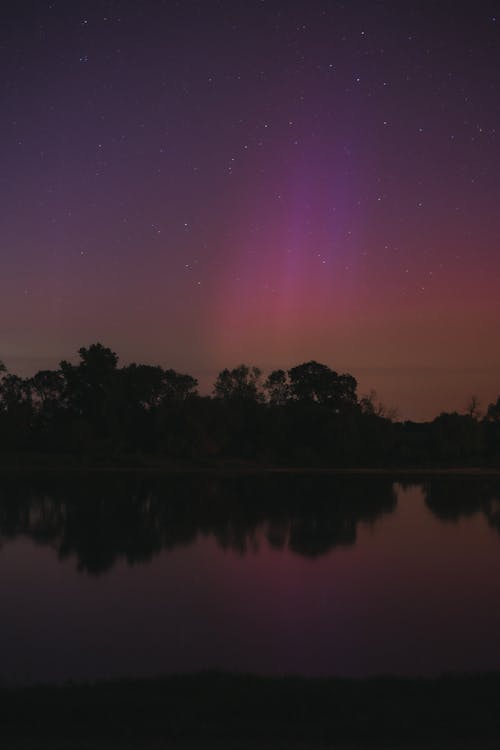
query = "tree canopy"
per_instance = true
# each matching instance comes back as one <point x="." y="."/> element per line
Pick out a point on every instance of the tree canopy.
<point x="308" y="415"/>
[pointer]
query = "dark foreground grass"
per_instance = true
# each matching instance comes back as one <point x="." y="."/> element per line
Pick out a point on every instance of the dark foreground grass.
<point x="211" y="706"/>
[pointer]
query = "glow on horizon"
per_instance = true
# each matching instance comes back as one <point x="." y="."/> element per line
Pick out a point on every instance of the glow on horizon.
<point x="261" y="182"/>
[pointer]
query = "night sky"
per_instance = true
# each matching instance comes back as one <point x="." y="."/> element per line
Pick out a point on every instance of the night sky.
<point x="202" y="183"/>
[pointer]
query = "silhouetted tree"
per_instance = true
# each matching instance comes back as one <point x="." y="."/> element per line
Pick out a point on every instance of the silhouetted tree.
<point x="92" y="394"/>
<point x="16" y="411"/>
<point x="493" y="412"/>
<point x="90" y="384"/>
<point x="370" y="406"/>
<point x="457" y="438"/>
<point x="491" y="427"/>
<point x="47" y="387"/>
<point x="143" y="385"/>
<point x="307" y="416"/>
<point x="240" y="383"/>
<point x="473" y="408"/>
<point x="277" y="386"/>
<point x="15" y="392"/>
<point x="315" y="382"/>
<point x="179" y="386"/>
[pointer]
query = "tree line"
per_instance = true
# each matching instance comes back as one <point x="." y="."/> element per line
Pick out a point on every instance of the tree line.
<point x="308" y="415"/>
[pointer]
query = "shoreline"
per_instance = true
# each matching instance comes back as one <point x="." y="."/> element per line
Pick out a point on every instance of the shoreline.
<point x="239" y="470"/>
<point x="218" y="706"/>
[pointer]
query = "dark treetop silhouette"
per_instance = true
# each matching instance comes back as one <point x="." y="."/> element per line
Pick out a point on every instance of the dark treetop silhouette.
<point x="97" y="412"/>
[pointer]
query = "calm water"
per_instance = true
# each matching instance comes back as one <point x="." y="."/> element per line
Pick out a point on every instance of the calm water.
<point x="128" y="576"/>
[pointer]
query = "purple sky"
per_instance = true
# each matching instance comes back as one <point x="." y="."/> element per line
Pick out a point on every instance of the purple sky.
<point x="198" y="184"/>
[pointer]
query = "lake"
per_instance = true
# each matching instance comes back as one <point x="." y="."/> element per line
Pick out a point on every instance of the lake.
<point x="111" y="575"/>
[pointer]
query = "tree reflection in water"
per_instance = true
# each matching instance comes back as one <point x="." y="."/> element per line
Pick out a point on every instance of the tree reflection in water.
<point x="453" y="498"/>
<point x="100" y="519"/>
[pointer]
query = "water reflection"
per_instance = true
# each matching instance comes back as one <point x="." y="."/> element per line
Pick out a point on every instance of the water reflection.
<point x="455" y="498"/>
<point x="101" y="519"/>
<point x="406" y="592"/>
